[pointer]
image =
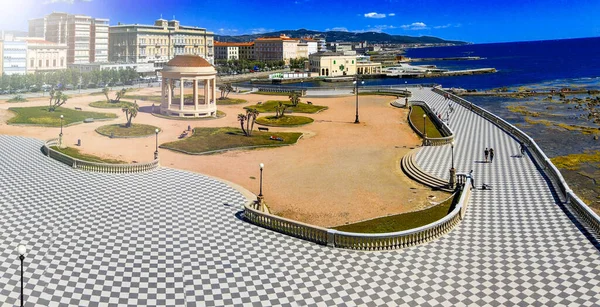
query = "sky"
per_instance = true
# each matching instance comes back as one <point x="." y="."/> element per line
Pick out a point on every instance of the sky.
<point x="476" y="21"/>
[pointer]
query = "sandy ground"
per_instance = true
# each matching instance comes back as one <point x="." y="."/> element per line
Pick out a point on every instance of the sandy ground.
<point x="338" y="173"/>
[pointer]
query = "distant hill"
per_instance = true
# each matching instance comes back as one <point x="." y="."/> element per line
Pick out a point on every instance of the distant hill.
<point x="333" y="36"/>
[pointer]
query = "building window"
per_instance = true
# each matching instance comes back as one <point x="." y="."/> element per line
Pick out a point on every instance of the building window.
<point x="47" y="63"/>
<point x="40" y="63"/>
<point x="54" y="62"/>
<point x="62" y="62"/>
<point x="31" y="63"/>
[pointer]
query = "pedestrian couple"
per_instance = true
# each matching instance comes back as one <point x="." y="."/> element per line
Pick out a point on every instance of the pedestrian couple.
<point x="489" y="153"/>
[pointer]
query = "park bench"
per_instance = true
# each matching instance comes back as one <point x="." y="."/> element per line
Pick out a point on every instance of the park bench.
<point x="288" y="111"/>
<point x="78" y="108"/>
<point x="309" y="102"/>
<point x="260" y="102"/>
<point x="263" y="129"/>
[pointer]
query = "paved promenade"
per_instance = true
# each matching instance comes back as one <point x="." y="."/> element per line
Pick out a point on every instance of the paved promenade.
<point x="136" y="240"/>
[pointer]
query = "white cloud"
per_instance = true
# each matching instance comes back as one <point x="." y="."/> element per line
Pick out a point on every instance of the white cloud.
<point x="224" y="31"/>
<point x="443" y="27"/>
<point x="260" y="30"/>
<point x="392" y="14"/>
<point x="415" y="26"/>
<point x="374" y="15"/>
<point x="343" y="29"/>
<point x="65" y="1"/>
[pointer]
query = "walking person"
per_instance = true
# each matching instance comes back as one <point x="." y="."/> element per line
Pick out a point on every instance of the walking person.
<point x="522" y="147"/>
<point x="491" y="155"/>
<point x="486" y="152"/>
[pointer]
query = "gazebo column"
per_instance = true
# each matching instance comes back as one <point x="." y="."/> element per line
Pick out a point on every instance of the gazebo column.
<point x="205" y="92"/>
<point x="169" y="98"/>
<point x="195" y="94"/>
<point x="181" y="82"/>
<point x="214" y="90"/>
<point x="162" y="92"/>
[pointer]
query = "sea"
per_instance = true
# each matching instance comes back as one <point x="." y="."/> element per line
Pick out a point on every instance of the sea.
<point x="535" y="64"/>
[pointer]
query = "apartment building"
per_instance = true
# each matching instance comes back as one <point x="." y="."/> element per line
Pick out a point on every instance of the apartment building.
<point x="282" y="48"/>
<point x="43" y="55"/>
<point x="311" y="44"/>
<point x="227" y="51"/>
<point x="158" y="43"/>
<point x="86" y="37"/>
<point x="14" y="57"/>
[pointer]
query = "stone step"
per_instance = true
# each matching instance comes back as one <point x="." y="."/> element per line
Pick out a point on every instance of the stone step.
<point x="412" y="170"/>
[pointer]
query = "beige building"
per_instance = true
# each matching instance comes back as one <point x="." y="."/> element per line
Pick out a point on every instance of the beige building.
<point x="282" y="48"/>
<point x="158" y="43"/>
<point x="331" y="64"/>
<point x="246" y="51"/>
<point x="368" y="68"/>
<point x="43" y="55"/>
<point x="86" y="37"/>
<point x="227" y="51"/>
<point x="302" y="50"/>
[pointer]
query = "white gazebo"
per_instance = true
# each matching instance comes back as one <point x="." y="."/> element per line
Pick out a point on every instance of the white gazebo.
<point x="188" y="70"/>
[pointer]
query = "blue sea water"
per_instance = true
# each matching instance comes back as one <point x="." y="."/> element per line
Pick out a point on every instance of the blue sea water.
<point x="546" y="63"/>
<point x="550" y="64"/>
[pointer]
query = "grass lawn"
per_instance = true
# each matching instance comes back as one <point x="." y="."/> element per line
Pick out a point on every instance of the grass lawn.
<point x="270" y="93"/>
<point x="417" y="118"/>
<point x="284" y="121"/>
<point x="401" y="222"/>
<point x="229" y="101"/>
<point x="41" y="116"/>
<point x="269" y="107"/>
<point x="103" y="104"/>
<point x="220" y="114"/>
<point x="74" y="153"/>
<point x="155" y="98"/>
<point x="211" y="139"/>
<point x="17" y="98"/>
<point x="119" y="130"/>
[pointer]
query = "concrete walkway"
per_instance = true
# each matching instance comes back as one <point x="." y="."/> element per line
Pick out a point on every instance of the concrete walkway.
<point x="137" y="240"/>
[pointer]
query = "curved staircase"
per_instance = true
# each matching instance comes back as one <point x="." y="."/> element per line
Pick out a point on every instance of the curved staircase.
<point x="412" y="170"/>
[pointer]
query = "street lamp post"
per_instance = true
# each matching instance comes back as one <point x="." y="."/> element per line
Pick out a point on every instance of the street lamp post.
<point x="424" y="130"/>
<point x="452" y="181"/>
<point x="356" y="121"/>
<point x="21" y="249"/>
<point x="60" y="136"/>
<point x="260" y="194"/>
<point x="156" y="151"/>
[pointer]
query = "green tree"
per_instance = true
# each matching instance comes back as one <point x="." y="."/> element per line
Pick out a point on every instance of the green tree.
<point x="294" y="98"/>
<point x="105" y="91"/>
<point x="120" y="94"/>
<point x="57" y="100"/>
<point x="131" y="111"/>
<point x="242" y="119"/>
<point x="280" y="109"/>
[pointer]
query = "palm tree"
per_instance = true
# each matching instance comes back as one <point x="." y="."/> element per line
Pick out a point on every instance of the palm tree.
<point x="131" y="111"/>
<point x="242" y="119"/>
<point x="280" y="109"/>
<point x="294" y="98"/>
<point x="251" y="115"/>
<point x="105" y="91"/>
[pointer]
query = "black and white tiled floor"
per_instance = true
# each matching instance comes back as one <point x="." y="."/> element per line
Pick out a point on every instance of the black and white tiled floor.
<point x="136" y="240"/>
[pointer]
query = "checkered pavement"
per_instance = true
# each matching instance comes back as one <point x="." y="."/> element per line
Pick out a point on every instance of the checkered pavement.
<point x="99" y="239"/>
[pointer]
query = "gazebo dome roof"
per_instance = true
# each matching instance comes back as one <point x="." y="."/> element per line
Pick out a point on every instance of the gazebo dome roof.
<point x="188" y="65"/>
<point x="188" y="60"/>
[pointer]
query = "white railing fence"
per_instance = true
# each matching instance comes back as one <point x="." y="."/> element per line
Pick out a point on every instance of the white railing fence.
<point x="365" y="241"/>
<point x="583" y="212"/>
<point x="448" y="134"/>
<point x="94" y="166"/>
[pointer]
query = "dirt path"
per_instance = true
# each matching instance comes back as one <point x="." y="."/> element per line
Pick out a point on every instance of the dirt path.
<point x="338" y="173"/>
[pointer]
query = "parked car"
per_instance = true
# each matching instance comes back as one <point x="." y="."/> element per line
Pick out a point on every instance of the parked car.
<point x="69" y="87"/>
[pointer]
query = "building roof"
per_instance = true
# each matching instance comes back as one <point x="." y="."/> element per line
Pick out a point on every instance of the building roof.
<point x="188" y="60"/>
<point x="281" y="37"/>
<point x="38" y="41"/>
<point x="230" y="44"/>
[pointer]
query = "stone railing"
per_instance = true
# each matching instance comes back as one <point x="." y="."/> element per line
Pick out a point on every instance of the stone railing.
<point x="448" y="135"/>
<point x="286" y="226"/>
<point x="583" y="212"/>
<point x="392" y="91"/>
<point x="365" y="241"/>
<point x="93" y="166"/>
